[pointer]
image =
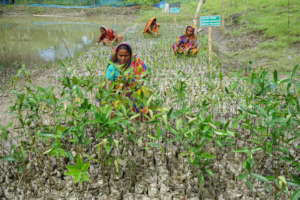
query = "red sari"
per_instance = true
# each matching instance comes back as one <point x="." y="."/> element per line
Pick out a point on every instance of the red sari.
<point x="109" y="34"/>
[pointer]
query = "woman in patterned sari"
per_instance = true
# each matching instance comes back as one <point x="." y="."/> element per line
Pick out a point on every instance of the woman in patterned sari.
<point x="186" y="44"/>
<point x="127" y="72"/>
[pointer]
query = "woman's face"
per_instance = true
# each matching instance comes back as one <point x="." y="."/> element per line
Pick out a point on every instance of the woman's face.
<point x="153" y="22"/>
<point x="102" y="30"/>
<point x="123" y="56"/>
<point x="189" y="31"/>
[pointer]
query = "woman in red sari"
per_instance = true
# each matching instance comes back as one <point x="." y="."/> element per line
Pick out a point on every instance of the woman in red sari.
<point x="109" y="37"/>
<point x="152" y="27"/>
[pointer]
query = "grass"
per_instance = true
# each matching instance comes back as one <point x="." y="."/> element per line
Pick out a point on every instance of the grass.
<point x="274" y="23"/>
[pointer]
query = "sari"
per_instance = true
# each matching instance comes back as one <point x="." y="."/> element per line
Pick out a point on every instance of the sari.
<point x="186" y="45"/>
<point x="128" y="81"/>
<point x="109" y="36"/>
<point x="151" y="27"/>
<point x="131" y="74"/>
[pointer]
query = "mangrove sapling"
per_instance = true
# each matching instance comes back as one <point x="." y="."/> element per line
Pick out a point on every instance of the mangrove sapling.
<point x="273" y="132"/>
<point x="190" y="133"/>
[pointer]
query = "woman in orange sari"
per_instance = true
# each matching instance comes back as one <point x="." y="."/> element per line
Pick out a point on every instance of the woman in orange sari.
<point x="152" y="27"/>
<point x="186" y="44"/>
<point x="109" y="37"/>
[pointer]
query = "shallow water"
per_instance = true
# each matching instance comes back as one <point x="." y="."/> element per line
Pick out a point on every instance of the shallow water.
<point x="30" y="40"/>
<point x="36" y="40"/>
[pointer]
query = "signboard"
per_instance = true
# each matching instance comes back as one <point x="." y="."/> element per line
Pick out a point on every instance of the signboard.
<point x="174" y="8"/>
<point x="210" y="20"/>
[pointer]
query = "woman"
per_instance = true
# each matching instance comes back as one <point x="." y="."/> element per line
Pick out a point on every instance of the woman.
<point x="108" y="36"/>
<point x="127" y="72"/>
<point x="187" y="44"/>
<point x="152" y="27"/>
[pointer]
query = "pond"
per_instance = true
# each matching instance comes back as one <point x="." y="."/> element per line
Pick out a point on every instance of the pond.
<point x="27" y="40"/>
<point x="33" y="39"/>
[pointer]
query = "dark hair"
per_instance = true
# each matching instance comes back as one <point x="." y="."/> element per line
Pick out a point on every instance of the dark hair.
<point x="125" y="46"/>
<point x="190" y="27"/>
<point x="153" y="21"/>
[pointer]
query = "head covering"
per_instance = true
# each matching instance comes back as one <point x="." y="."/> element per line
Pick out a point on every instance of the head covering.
<point x="194" y="36"/>
<point x="123" y="44"/>
<point x="103" y="27"/>
<point x="191" y="26"/>
<point x="115" y="51"/>
<point x="149" y="23"/>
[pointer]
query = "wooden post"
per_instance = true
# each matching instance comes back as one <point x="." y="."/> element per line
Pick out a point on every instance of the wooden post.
<point x="210" y="49"/>
<point x="196" y="14"/>
<point x="223" y="13"/>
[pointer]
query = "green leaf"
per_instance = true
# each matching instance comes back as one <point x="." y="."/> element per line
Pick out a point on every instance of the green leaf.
<point x="155" y="145"/>
<point x="226" y="133"/>
<point x="289" y="85"/>
<point x="260" y="177"/>
<point x="296" y="195"/>
<point x="4" y="132"/>
<point x="242" y="150"/>
<point x="10" y="158"/>
<point x="226" y="90"/>
<point x="209" y="172"/>
<point x="243" y="176"/>
<point x="294" y="71"/>
<point x="248" y="164"/>
<point x="201" y="179"/>
<point x="207" y="156"/>
<point x="79" y="171"/>
<point x="275" y="76"/>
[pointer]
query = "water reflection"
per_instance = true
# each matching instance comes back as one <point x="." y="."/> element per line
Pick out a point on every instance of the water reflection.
<point x="48" y="54"/>
<point x="62" y="23"/>
<point x="34" y="40"/>
<point x="65" y="49"/>
<point x="86" y="40"/>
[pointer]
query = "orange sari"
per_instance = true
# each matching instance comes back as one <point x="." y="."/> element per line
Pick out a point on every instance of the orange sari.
<point x="151" y="26"/>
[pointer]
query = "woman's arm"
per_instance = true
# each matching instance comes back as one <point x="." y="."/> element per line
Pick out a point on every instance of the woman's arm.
<point x="102" y="36"/>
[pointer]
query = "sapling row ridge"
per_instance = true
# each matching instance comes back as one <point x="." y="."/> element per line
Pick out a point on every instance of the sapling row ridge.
<point x="205" y="135"/>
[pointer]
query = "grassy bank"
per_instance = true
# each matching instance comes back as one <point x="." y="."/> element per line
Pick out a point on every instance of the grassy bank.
<point x="265" y="32"/>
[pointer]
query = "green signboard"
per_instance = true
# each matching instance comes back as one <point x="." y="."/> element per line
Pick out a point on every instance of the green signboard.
<point x="210" y="20"/>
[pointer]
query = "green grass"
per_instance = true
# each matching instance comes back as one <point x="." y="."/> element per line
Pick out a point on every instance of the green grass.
<point x="272" y="23"/>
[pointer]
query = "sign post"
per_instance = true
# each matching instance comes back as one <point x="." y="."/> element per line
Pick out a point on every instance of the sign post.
<point x="209" y="47"/>
<point x="210" y="21"/>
